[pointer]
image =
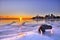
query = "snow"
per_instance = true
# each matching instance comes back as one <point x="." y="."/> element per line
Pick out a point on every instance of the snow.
<point x="29" y="31"/>
<point x="34" y="36"/>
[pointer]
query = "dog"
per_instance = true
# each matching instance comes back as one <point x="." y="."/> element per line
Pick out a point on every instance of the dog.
<point x="44" y="27"/>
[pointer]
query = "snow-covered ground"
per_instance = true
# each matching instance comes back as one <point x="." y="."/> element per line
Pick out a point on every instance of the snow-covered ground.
<point x="29" y="31"/>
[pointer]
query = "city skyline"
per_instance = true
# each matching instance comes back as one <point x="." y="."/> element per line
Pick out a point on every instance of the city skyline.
<point x="29" y="7"/>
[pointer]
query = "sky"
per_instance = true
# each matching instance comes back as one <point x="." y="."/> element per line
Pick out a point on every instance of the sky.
<point x="29" y="7"/>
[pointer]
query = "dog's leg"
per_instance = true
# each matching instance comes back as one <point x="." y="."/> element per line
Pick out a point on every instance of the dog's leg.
<point x="51" y="31"/>
<point x="41" y="32"/>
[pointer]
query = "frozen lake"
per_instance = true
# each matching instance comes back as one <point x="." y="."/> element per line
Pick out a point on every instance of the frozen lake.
<point x="28" y="31"/>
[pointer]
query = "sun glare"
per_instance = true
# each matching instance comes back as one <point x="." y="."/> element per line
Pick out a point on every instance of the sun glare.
<point x="20" y="19"/>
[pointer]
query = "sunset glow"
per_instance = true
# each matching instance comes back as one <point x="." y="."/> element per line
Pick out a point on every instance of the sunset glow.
<point x="20" y="19"/>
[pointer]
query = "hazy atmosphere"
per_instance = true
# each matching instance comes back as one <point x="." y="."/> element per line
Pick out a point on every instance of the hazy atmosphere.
<point x="29" y="7"/>
<point x="29" y="19"/>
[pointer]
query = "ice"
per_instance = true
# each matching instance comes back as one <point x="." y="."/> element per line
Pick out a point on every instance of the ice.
<point x="34" y="36"/>
<point x="29" y="31"/>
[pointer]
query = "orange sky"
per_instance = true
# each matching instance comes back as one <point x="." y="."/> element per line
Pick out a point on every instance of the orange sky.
<point x="20" y="18"/>
<point x="16" y="16"/>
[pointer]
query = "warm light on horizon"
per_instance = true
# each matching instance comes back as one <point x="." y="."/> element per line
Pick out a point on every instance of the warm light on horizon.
<point x="20" y="19"/>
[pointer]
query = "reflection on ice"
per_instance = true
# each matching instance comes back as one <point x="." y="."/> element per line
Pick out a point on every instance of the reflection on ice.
<point x="29" y="32"/>
<point x="34" y="36"/>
